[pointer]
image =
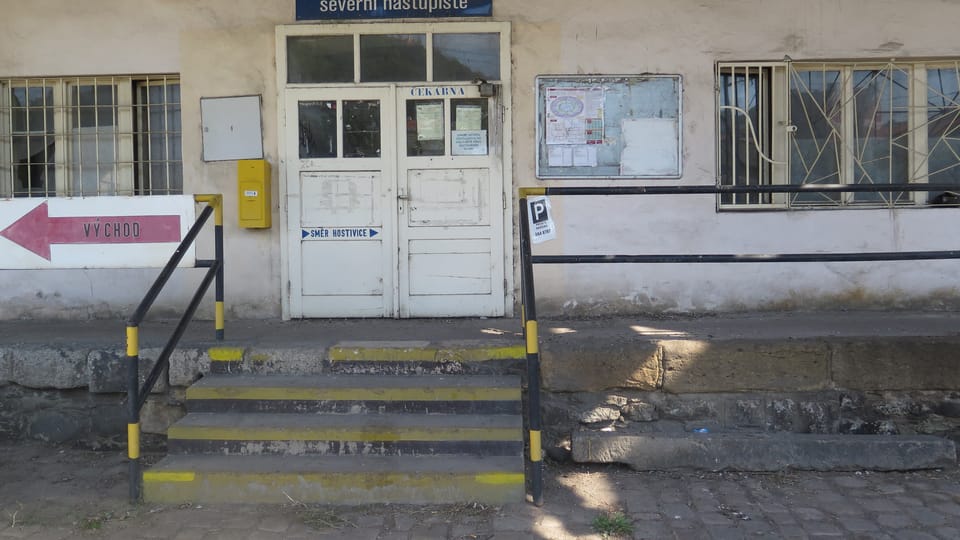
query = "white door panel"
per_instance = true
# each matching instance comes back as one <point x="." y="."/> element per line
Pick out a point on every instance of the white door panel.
<point x="340" y="199"/>
<point x="342" y="268"/>
<point x="449" y="197"/>
<point x="343" y="198"/>
<point x="451" y="216"/>
<point x="450" y="267"/>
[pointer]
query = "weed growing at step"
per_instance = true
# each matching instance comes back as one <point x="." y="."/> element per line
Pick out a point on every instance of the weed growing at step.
<point x="614" y="524"/>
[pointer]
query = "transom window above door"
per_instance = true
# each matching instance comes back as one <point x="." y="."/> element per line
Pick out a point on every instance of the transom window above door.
<point x="389" y="57"/>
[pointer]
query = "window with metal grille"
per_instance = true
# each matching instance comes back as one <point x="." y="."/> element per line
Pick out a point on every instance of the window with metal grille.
<point x="798" y="122"/>
<point x="90" y="136"/>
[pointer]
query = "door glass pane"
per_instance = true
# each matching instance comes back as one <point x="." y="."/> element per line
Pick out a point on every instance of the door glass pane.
<point x="33" y="141"/>
<point x="816" y="105"/>
<point x="881" y="115"/>
<point x="466" y="57"/>
<point x="318" y="129"/>
<point x="470" y="133"/>
<point x="361" y="128"/>
<point x="319" y="59"/>
<point x="943" y="127"/>
<point x="425" y="131"/>
<point x="393" y="58"/>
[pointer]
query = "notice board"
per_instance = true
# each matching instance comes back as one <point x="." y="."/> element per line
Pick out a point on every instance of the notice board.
<point x="610" y="126"/>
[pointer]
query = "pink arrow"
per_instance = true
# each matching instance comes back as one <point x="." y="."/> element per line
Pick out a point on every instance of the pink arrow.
<point x="36" y="230"/>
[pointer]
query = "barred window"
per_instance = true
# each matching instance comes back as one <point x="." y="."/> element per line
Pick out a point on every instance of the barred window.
<point x="838" y="123"/>
<point x="90" y="136"/>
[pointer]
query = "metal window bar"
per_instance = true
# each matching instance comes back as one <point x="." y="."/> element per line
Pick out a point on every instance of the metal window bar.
<point x="528" y="307"/>
<point x="136" y="394"/>
<point x="847" y="121"/>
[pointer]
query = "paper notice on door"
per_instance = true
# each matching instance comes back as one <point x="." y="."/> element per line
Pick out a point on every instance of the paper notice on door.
<point x="469" y="143"/>
<point x="468" y="118"/>
<point x="429" y="121"/>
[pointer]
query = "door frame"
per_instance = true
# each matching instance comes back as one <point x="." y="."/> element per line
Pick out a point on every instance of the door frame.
<point x="503" y="87"/>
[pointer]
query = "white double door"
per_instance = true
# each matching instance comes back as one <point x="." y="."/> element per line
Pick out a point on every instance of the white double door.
<point x="394" y="202"/>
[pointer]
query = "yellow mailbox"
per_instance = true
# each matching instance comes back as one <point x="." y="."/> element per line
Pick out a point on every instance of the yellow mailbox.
<point x="253" y="182"/>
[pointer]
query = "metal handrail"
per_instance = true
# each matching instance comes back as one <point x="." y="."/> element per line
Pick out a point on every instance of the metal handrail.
<point x="528" y="308"/>
<point x="136" y="394"/>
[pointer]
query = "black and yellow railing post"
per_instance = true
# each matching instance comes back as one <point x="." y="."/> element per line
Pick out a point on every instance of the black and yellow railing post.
<point x="216" y="201"/>
<point x="137" y="394"/>
<point x="133" y="399"/>
<point x="531" y="335"/>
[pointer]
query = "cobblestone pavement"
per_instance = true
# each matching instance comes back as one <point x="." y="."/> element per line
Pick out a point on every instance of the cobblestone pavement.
<point x="50" y="493"/>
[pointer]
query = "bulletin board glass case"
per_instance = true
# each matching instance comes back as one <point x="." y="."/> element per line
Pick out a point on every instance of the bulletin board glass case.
<point x="609" y="126"/>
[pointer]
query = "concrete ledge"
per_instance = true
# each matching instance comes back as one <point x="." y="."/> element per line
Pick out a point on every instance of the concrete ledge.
<point x="764" y="452"/>
<point x="593" y="363"/>
<point x="897" y="364"/>
<point x="692" y="366"/>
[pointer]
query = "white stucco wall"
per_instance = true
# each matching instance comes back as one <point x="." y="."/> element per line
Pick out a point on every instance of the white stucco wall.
<point x="219" y="48"/>
<point x="226" y="47"/>
<point x="688" y="38"/>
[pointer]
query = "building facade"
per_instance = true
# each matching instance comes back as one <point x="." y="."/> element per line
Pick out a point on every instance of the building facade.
<point x="396" y="142"/>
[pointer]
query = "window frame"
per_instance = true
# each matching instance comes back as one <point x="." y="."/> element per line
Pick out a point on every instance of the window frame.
<point x="68" y="165"/>
<point x="357" y="30"/>
<point x="776" y="131"/>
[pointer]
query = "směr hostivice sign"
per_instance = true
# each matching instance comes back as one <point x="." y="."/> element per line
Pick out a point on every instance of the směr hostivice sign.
<point x="96" y="232"/>
<point x="313" y="10"/>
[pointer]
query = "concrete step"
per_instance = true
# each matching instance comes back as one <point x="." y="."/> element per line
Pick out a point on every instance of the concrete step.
<point x="424" y="357"/>
<point x="346" y="434"/>
<point x="463" y="394"/>
<point x="335" y="479"/>
<point x="399" y="357"/>
<point x="764" y="451"/>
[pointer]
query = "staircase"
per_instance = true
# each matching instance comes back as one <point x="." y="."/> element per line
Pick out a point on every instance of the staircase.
<point x="379" y="427"/>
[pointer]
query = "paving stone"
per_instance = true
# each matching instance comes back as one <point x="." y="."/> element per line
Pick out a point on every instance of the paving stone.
<point x="504" y="535"/>
<point x="898" y="520"/>
<point x="878" y="504"/>
<point x="648" y="530"/>
<point x="889" y="489"/>
<point x="822" y="528"/>
<point x="907" y="500"/>
<point x="512" y="523"/>
<point x="404" y="522"/>
<point x="951" y="508"/>
<point x="726" y="533"/>
<point x="914" y="535"/>
<point x="277" y="524"/>
<point x="808" y="514"/>
<point x="927" y="517"/>
<point x="712" y="519"/>
<point x="264" y="535"/>
<point x="192" y="533"/>
<point x="950" y="533"/>
<point x="792" y="531"/>
<point x="851" y="482"/>
<point x="859" y="525"/>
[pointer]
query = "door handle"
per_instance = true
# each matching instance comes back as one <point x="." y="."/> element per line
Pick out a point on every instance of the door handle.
<point x="403" y="197"/>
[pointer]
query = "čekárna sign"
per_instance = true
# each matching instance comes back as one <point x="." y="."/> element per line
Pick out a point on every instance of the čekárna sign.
<point x="312" y="10"/>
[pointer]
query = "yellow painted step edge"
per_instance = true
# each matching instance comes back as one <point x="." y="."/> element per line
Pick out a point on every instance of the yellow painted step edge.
<point x="355" y="394"/>
<point x="426" y="354"/>
<point x="375" y="433"/>
<point x="330" y="480"/>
